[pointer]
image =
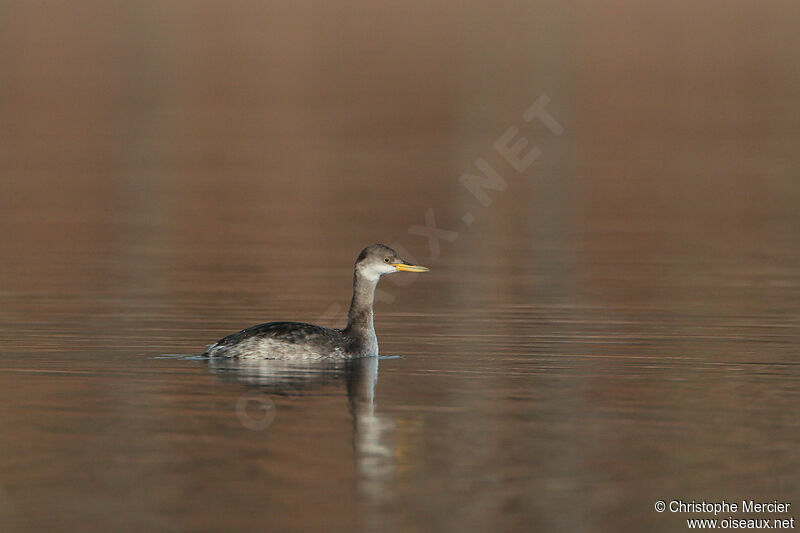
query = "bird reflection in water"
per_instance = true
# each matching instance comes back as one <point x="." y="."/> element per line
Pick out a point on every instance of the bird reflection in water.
<point x="373" y="442"/>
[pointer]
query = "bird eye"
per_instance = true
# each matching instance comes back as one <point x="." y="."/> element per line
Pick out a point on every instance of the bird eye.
<point x="385" y="259"/>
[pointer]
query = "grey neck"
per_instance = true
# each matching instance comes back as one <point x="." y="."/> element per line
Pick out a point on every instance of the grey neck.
<point x="359" y="319"/>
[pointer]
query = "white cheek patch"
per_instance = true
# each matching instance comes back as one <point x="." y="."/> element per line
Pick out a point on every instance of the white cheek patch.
<point x="370" y="273"/>
<point x="374" y="272"/>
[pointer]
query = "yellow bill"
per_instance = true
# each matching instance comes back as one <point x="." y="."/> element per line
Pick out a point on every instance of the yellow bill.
<point x="402" y="267"/>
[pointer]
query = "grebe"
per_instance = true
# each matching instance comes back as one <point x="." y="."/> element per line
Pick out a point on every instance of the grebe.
<point x="299" y="341"/>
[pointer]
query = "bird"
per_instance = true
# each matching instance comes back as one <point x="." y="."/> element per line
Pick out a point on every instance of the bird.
<point x="298" y="341"/>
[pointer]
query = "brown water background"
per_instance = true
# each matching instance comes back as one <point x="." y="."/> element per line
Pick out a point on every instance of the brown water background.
<point x="620" y="325"/>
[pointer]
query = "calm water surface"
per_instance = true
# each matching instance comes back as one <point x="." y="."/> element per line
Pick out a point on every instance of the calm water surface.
<point x="507" y="410"/>
<point x="620" y="326"/>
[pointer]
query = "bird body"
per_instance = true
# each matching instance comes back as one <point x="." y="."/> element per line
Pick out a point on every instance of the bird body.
<point x="284" y="340"/>
<point x="300" y="341"/>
